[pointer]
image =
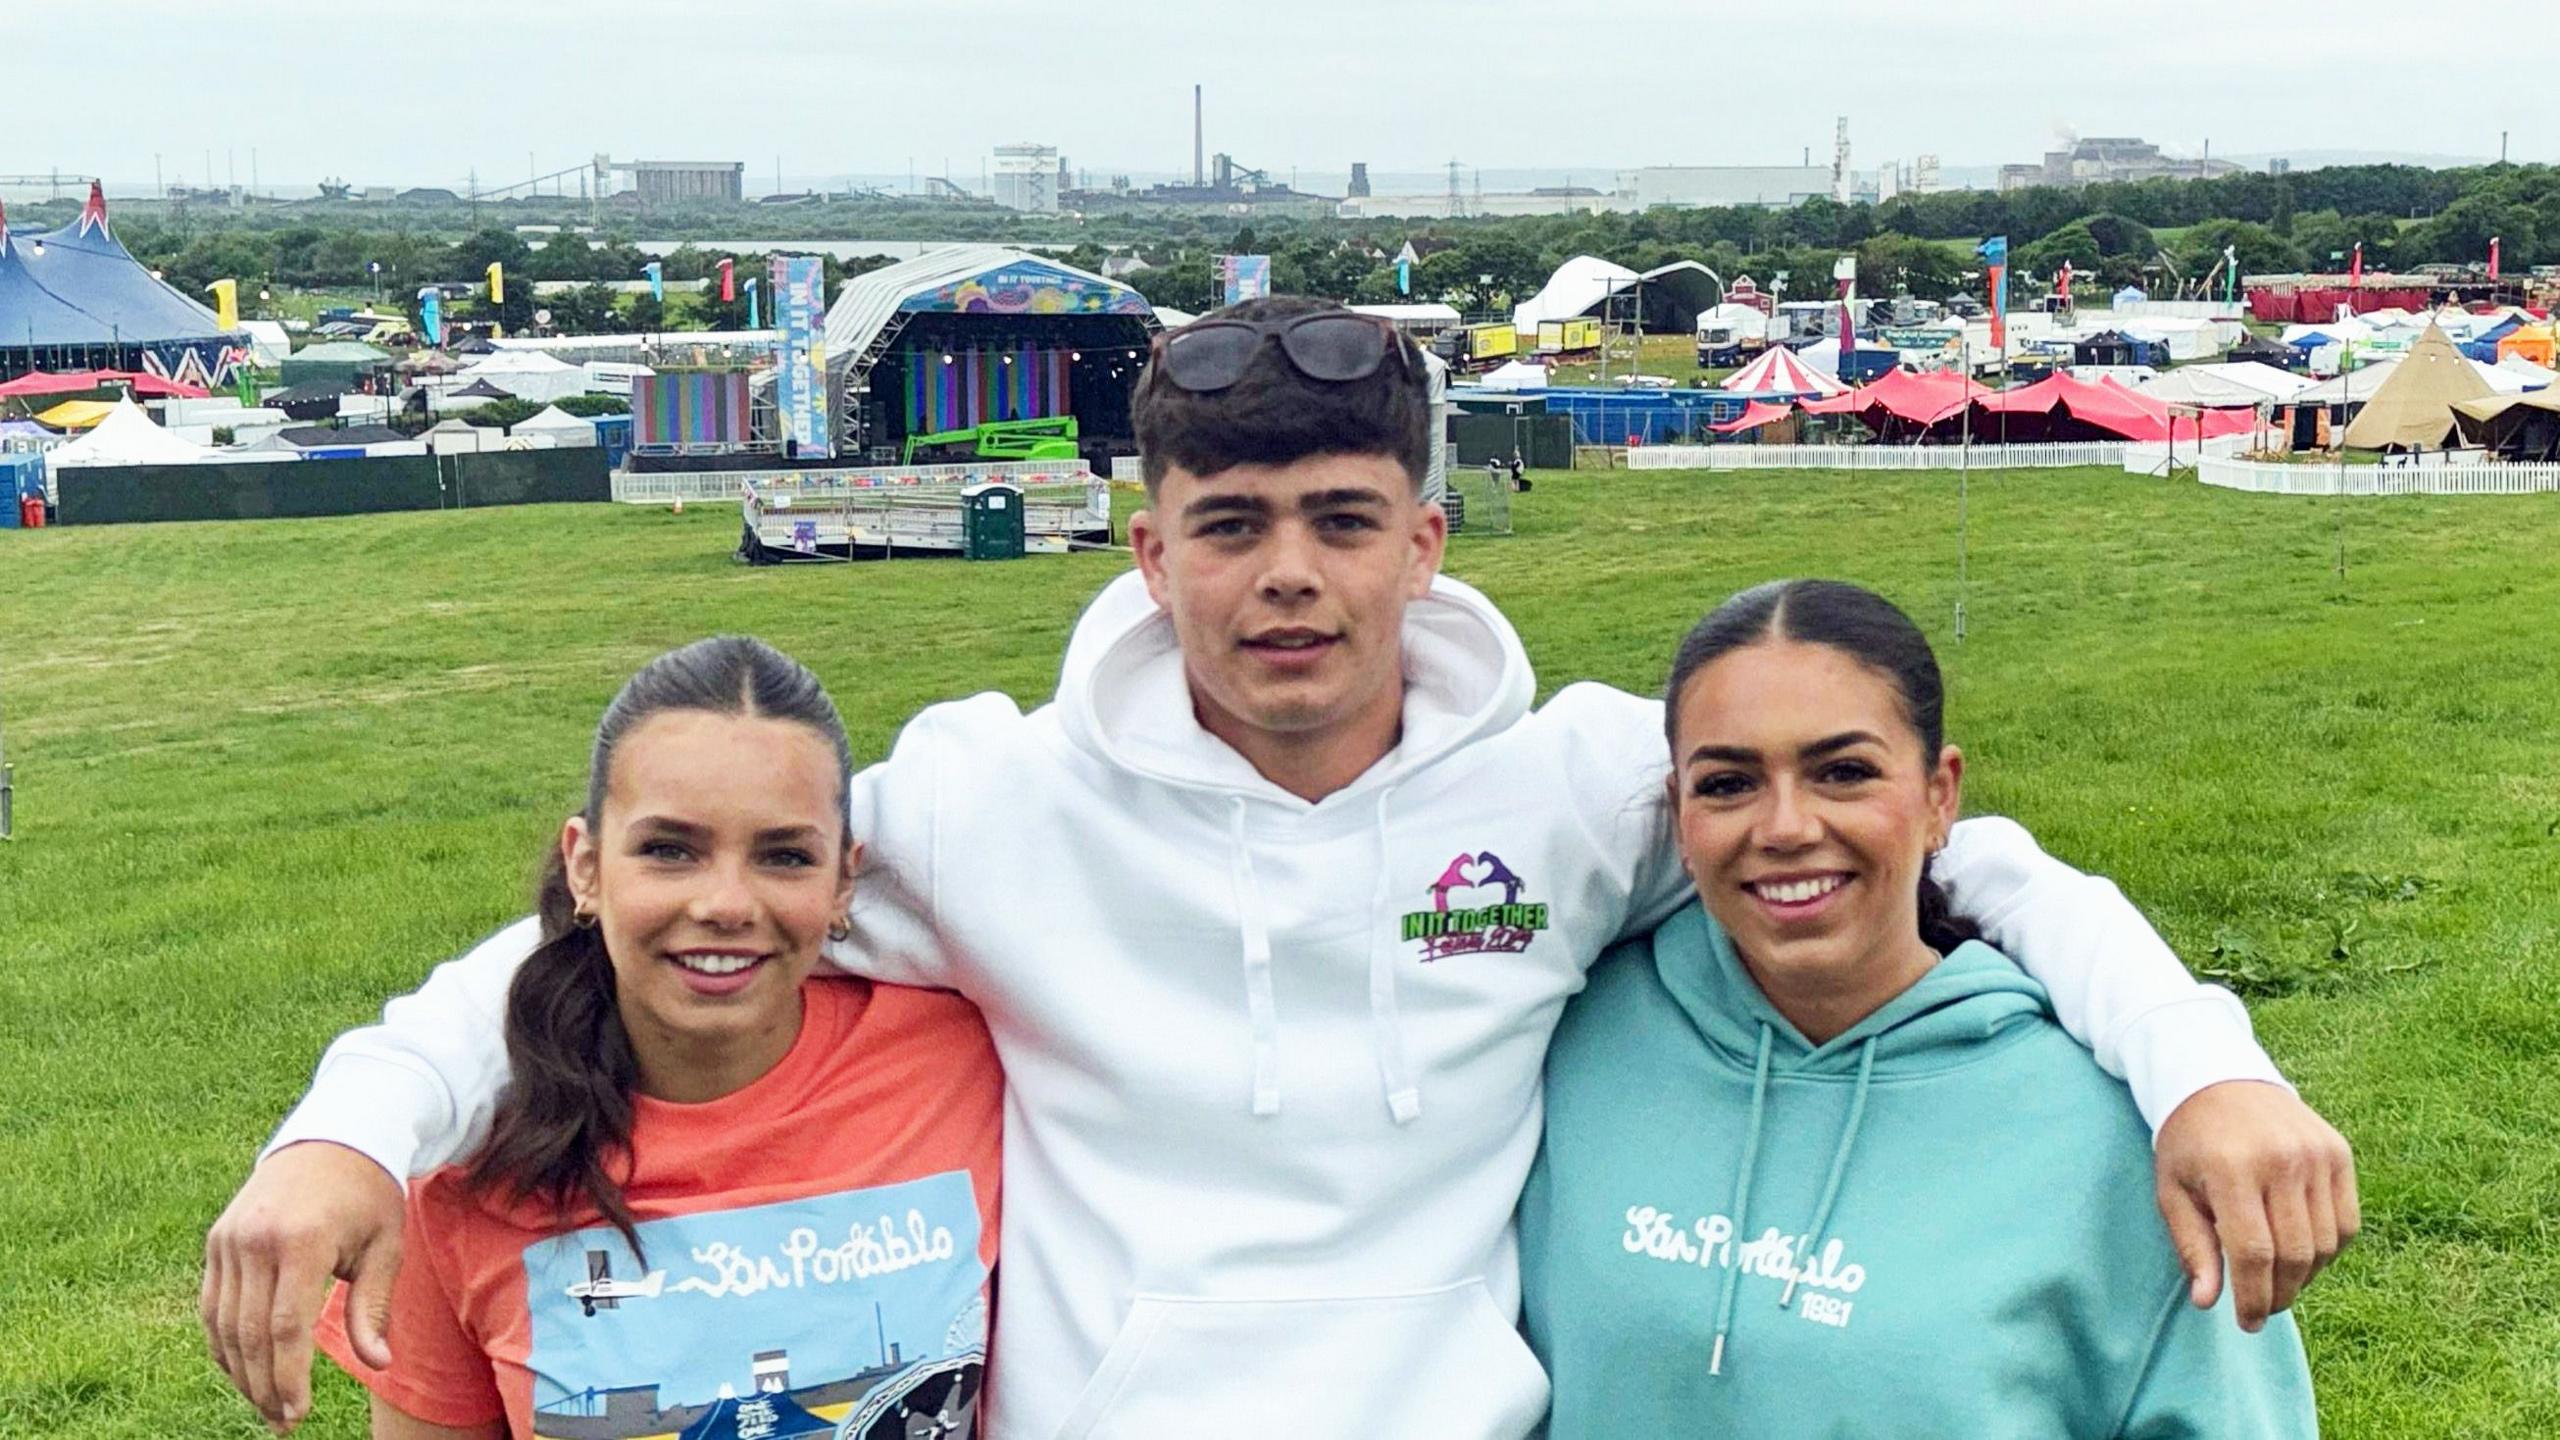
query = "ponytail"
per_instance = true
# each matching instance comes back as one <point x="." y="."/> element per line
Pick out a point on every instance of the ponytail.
<point x="1941" y="929"/>
<point x="563" y="1127"/>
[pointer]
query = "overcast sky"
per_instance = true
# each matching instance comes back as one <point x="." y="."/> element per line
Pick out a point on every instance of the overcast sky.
<point x="422" y="94"/>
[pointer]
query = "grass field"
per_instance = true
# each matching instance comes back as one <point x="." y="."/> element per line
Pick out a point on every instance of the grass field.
<point x="270" y="771"/>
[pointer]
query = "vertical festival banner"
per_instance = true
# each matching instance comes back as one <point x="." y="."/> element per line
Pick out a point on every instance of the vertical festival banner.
<point x="728" y="281"/>
<point x="1405" y="261"/>
<point x="799" y="292"/>
<point x="431" y="313"/>
<point x="1995" y="260"/>
<point x="1845" y="271"/>
<point x="2493" y="257"/>
<point x="2355" y="267"/>
<point x="656" y="274"/>
<point x="1246" y="277"/>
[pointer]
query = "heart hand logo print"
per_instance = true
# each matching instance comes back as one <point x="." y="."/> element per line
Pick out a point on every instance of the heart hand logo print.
<point x="1475" y="908"/>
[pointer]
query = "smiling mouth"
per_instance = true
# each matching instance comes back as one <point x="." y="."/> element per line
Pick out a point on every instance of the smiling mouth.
<point x="716" y="964"/>
<point x="1796" y="892"/>
<point x="1291" y="642"/>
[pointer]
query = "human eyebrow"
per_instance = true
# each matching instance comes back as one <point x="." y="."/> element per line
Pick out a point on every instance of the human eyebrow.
<point x="1734" y="754"/>
<point x="1226" y="505"/>
<point x="669" y="825"/>
<point x="788" y="834"/>
<point x="1341" y="498"/>
<point x="1837" y="743"/>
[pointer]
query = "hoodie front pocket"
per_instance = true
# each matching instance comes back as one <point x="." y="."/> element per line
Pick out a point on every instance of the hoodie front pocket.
<point x="1431" y="1363"/>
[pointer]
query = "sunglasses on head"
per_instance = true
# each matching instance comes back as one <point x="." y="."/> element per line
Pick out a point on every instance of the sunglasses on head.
<point x="1330" y="345"/>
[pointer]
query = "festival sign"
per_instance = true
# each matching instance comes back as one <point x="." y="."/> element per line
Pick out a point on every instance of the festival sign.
<point x="800" y="385"/>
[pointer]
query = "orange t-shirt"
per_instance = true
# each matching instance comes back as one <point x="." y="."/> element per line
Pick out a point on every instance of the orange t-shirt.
<point x="817" y="1248"/>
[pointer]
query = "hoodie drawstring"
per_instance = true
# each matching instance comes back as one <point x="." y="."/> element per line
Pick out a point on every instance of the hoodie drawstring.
<point x="1742" y="1200"/>
<point x="1386" y="1024"/>
<point x="1257" y="970"/>
<point x="1839" y="1167"/>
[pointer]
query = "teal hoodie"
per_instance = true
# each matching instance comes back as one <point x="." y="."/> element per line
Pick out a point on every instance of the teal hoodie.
<point x="1939" y="1224"/>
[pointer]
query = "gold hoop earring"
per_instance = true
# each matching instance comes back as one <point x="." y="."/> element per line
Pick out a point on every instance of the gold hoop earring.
<point x="584" y="919"/>
<point x="840" y="931"/>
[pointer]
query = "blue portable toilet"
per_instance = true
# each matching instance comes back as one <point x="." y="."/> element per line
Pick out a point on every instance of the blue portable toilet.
<point x="613" y="432"/>
<point x="21" y="475"/>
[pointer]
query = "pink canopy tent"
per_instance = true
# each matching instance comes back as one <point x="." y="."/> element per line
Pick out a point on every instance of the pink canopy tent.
<point x="63" y="382"/>
<point x="1753" y="416"/>
<point x="2061" y="407"/>
<point x="1914" y="399"/>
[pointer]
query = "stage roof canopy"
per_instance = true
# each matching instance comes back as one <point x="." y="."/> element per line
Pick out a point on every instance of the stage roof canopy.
<point x="986" y="280"/>
<point x="77" y="286"/>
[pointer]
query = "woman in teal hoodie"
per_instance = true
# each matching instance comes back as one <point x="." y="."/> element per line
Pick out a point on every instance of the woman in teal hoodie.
<point x="1818" y="1161"/>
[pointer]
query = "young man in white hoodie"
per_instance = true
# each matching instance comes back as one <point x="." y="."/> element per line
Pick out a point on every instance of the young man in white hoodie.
<point x="1271" y="913"/>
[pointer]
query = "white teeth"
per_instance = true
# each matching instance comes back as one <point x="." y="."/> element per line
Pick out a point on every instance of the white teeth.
<point x="1796" y="892"/>
<point x="715" y="964"/>
<point x="1292" y="642"/>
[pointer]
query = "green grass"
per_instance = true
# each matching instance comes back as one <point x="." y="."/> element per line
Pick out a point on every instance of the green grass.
<point x="270" y="771"/>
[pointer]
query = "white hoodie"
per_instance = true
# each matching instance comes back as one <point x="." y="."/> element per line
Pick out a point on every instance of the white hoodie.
<point x="1274" y="1066"/>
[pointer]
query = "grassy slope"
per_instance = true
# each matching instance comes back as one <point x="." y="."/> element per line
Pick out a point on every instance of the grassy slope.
<point x="271" y="771"/>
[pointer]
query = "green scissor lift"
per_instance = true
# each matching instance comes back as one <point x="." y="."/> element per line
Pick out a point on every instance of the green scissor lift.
<point x="1050" y="439"/>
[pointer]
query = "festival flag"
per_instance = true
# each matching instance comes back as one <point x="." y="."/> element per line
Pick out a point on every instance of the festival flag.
<point x="754" y="322"/>
<point x="2064" y="288"/>
<point x="2493" y="257"/>
<point x="431" y="313"/>
<point x="1845" y="271"/>
<point x="2230" y="273"/>
<point x="728" y="282"/>
<point x="226" y="303"/>
<point x="657" y="274"/>
<point x="1405" y="259"/>
<point x="497" y="283"/>
<point x="1995" y="259"/>
<point x="2355" y="266"/>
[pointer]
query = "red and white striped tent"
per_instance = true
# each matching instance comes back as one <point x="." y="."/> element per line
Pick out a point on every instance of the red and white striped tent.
<point x="1778" y="371"/>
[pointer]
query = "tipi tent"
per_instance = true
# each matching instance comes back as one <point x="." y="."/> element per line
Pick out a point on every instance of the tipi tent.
<point x="2414" y="406"/>
<point x="126" y="437"/>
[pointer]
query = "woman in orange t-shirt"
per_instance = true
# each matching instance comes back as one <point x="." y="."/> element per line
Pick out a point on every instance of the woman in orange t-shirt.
<point x="723" y="1196"/>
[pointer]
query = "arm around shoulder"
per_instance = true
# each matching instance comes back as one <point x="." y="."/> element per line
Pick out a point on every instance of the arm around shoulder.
<point x="2114" y="983"/>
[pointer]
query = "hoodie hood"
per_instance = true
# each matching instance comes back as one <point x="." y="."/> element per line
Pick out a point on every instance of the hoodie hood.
<point x="1123" y="695"/>
<point x="1967" y="1000"/>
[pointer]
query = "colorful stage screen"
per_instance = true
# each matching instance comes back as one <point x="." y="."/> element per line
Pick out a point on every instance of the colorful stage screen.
<point x="1028" y="382"/>
<point x="687" y="410"/>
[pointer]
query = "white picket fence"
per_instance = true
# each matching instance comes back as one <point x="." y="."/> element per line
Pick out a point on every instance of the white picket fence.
<point x="661" y="487"/>
<point x="2480" y="478"/>
<point x="2160" y="458"/>
<point x="1872" y="457"/>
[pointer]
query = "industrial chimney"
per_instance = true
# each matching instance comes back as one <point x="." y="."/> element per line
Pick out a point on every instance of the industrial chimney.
<point x="1199" y="175"/>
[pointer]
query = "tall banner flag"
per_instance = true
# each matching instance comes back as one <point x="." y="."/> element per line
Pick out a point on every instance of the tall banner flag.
<point x="2064" y="288"/>
<point x="657" y="276"/>
<point x="2493" y="257"/>
<point x="1246" y="277"/>
<point x="226" y="303"/>
<point x="1845" y="271"/>
<point x="755" y="320"/>
<point x="1405" y="261"/>
<point x="2230" y="273"/>
<point x="800" y="381"/>
<point x="1995" y="259"/>
<point x="2355" y="267"/>
<point x="497" y="283"/>
<point x="728" y="282"/>
<point x="431" y="313"/>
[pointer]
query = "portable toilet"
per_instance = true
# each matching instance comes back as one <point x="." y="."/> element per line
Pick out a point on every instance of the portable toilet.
<point x="21" y="489"/>
<point x="991" y="521"/>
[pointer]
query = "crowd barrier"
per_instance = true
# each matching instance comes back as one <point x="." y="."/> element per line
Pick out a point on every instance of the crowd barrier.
<point x="659" y="487"/>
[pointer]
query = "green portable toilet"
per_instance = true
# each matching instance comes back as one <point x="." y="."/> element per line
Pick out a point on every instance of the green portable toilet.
<point x="991" y="521"/>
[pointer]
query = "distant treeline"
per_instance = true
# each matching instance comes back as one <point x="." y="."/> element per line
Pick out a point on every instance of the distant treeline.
<point x="2159" y="233"/>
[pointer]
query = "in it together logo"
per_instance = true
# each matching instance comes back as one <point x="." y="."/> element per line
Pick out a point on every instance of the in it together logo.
<point x="1466" y="919"/>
